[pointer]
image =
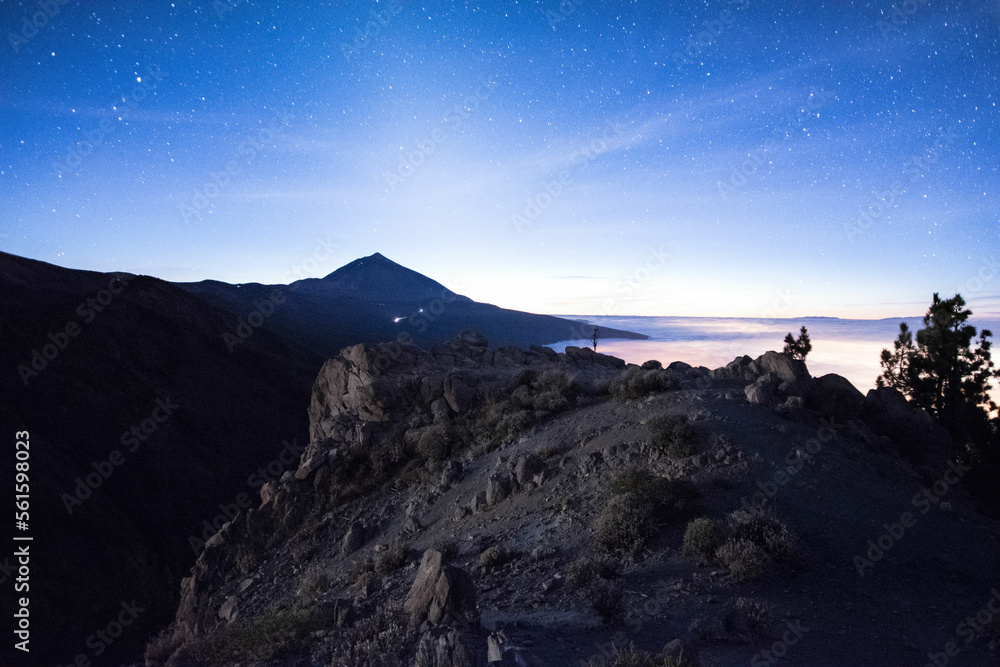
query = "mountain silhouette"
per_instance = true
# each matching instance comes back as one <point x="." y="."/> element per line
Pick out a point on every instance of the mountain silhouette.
<point x="374" y="299"/>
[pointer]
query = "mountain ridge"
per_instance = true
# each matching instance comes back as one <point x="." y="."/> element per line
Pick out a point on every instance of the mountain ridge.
<point x="374" y="299"/>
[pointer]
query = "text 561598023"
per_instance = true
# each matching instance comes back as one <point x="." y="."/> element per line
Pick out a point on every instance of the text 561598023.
<point x="22" y="554"/>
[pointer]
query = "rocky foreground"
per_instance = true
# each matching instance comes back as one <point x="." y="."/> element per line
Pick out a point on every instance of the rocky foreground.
<point x="467" y="504"/>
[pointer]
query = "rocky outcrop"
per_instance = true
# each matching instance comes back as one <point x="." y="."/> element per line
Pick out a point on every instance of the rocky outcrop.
<point x="792" y="373"/>
<point x="441" y="593"/>
<point x="834" y="396"/>
<point x="914" y="432"/>
<point x="764" y="390"/>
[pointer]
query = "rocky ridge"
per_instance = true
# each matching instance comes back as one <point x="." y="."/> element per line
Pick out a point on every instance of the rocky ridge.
<point x="448" y="509"/>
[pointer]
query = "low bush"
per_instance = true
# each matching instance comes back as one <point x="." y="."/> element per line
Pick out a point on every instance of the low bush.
<point x="702" y="538"/>
<point x="447" y="547"/>
<point x="393" y="558"/>
<point x="748" y="619"/>
<point x="583" y="571"/>
<point x="744" y="559"/>
<point x="625" y="524"/>
<point x="266" y="637"/>
<point x="494" y="558"/>
<point x="672" y="499"/>
<point x="763" y="528"/>
<point x="634" y="657"/>
<point x="558" y="382"/>
<point x="636" y="382"/>
<point x="434" y="444"/>
<point x="672" y="434"/>
<point x="607" y="600"/>
<point x="383" y="639"/>
<point x="641" y="502"/>
<point x="312" y="584"/>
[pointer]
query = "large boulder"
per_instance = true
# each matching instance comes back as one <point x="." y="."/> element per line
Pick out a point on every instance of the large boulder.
<point x="764" y="390"/>
<point x="459" y="394"/>
<point x="525" y="469"/>
<point x="917" y="436"/>
<point x="794" y="376"/>
<point x="834" y="396"/>
<point x="353" y="383"/>
<point x="441" y="593"/>
<point x="498" y="488"/>
<point x="355" y="538"/>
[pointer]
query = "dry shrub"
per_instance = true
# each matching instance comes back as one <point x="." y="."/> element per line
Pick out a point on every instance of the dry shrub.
<point x="743" y="558"/>
<point x="749" y="619"/>
<point x="702" y="537"/>
<point x="434" y="444"/>
<point x="634" y="657"/>
<point x="763" y="528"/>
<point x="607" y="600"/>
<point x="641" y="502"/>
<point x="582" y="571"/>
<point x="672" y="434"/>
<point x="381" y="640"/>
<point x="494" y="558"/>
<point x="393" y="558"/>
<point x="636" y="382"/>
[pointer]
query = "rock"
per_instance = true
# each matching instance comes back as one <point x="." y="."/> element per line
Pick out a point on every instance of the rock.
<point x="886" y="400"/>
<point x="497" y="488"/>
<point x="592" y="462"/>
<point x="651" y="365"/>
<point x="834" y="396"/>
<point x="608" y="360"/>
<point x="451" y="472"/>
<point x="440" y="410"/>
<point x="431" y="389"/>
<point x="219" y="538"/>
<point x="792" y="406"/>
<point x="412" y="526"/>
<point x="441" y="592"/>
<point x="679" y="367"/>
<point x="352" y="383"/>
<point x="526" y="468"/>
<point x="887" y="412"/>
<point x="735" y="368"/>
<point x="459" y="395"/>
<point x="792" y="372"/>
<point x="478" y="503"/>
<point x="228" y="612"/>
<point x="267" y="492"/>
<point x="355" y="538"/>
<point x="547" y="351"/>
<point x="495" y="646"/>
<point x="763" y="391"/>
<point x="314" y="463"/>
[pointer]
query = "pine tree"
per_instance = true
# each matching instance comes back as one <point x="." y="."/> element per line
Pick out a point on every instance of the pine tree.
<point x="943" y="373"/>
<point x="800" y="347"/>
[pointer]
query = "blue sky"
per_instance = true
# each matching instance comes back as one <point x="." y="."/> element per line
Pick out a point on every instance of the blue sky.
<point x="704" y="158"/>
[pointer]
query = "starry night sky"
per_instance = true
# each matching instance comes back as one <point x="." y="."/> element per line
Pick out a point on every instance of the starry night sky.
<point x="583" y="157"/>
